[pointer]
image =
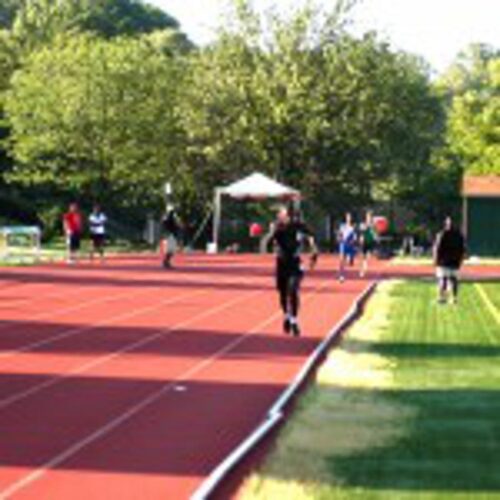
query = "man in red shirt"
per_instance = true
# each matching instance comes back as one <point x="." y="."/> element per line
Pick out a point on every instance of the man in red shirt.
<point x="73" y="225"/>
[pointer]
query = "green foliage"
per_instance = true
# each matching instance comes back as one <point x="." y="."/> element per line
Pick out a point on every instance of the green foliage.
<point x="96" y="117"/>
<point x="108" y="98"/>
<point x="345" y="119"/>
<point x="8" y="59"/>
<point x="38" y="22"/>
<point x="475" y="124"/>
<point x="104" y="127"/>
<point x="8" y="10"/>
<point x="112" y="18"/>
<point x="472" y="90"/>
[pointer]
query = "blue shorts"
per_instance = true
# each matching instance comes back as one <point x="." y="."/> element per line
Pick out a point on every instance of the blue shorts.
<point x="347" y="249"/>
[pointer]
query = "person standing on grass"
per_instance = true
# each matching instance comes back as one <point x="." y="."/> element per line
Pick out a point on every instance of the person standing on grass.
<point x="171" y="228"/>
<point x="289" y="236"/>
<point x="347" y="245"/>
<point x="97" y="225"/>
<point x="449" y="254"/>
<point x="73" y="226"/>
<point x="368" y="239"/>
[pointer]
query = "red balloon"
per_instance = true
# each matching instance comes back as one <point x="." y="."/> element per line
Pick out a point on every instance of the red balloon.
<point x="381" y="224"/>
<point x="255" y="230"/>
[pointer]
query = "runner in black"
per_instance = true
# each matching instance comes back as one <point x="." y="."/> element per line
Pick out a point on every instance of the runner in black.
<point x="288" y="236"/>
<point x="449" y="253"/>
<point x="171" y="228"/>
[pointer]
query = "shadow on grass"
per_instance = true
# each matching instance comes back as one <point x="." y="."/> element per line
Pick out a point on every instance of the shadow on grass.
<point x="423" y="350"/>
<point x="450" y="441"/>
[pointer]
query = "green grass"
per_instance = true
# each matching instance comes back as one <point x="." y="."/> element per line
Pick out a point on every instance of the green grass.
<point x="427" y="260"/>
<point x="408" y="407"/>
<point x="55" y="251"/>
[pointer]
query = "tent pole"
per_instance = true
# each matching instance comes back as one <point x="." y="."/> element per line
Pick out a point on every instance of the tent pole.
<point x="217" y="219"/>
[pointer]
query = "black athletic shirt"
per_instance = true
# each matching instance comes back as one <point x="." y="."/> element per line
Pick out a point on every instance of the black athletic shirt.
<point x="450" y="248"/>
<point x="171" y="224"/>
<point x="289" y="238"/>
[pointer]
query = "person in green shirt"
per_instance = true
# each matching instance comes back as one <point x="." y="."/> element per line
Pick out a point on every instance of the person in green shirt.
<point x="368" y="240"/>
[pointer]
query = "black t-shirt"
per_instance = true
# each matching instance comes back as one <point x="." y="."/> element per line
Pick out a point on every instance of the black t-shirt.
<point x="450" y="248"/>
<point x="289" y="239"/>
<point x="171" y="224"/>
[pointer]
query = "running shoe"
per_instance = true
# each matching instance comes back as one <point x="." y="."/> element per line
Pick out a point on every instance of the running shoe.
<point x="287" y="325"/>
<point x="295" y="330"/>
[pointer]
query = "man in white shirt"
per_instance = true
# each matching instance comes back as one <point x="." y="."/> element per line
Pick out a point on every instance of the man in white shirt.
<point x="97" y="225"/>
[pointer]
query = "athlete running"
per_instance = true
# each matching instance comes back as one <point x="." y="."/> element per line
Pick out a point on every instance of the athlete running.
<point x="347" y="245"/>
<point x="368" y="240"/>
<point x="289" y="236"/>
<point x="171" y="228"/>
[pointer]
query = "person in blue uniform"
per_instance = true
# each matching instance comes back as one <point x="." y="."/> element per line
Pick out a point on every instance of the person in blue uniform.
<point x="347" y="239"/>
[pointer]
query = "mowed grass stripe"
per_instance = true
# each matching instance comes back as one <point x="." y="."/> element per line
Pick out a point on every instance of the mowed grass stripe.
<point x="490" y="294"/>
<point x="407" y="407"/>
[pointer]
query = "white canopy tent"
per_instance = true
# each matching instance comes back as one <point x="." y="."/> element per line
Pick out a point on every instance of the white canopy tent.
<point x="256" y="186"/>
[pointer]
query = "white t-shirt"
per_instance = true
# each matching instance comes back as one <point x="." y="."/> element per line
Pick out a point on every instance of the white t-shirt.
<point x="97" y="223"/>
<point x="347" y="233"/>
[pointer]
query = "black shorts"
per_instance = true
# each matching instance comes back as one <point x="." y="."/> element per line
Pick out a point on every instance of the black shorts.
<point x="289" y="274"/>
<point x="75" y="240"/>
<point x="367" y="248"/>
<point x="98" y="240"/>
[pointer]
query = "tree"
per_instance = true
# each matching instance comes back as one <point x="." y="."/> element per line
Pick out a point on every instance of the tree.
<point x="170" y="42"/>
<point x="474" y="115"/>
<point x="112" y="18"/>
<point x="344" y="118"/>
<point x="8" y="10"/>
<point x="39" y="22"/>
<point x="96" y="117"/>
<point x="8" y="60"/>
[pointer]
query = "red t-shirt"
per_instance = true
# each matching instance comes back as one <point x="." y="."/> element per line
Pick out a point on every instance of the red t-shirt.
<point x="73" y="222"/>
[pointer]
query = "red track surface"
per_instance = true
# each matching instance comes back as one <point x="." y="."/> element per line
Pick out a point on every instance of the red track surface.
<point x="125" y="381"/>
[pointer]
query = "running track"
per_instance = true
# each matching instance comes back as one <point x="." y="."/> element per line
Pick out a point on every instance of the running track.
<point x="124" y="381"/>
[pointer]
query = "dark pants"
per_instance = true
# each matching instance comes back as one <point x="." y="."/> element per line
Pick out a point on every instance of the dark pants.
<point x="74" y="242"/>
<point x="288" y="279"/>
<point x="448" y="275"/>
<point x="98" y="242"/>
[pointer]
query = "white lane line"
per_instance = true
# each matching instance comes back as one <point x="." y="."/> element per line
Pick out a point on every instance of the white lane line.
<point x="77" y="330"/>
<point x="87" y="303"/>
<point x="41" y="294"/>
<point x="134" y="410"/>
<point x="9" y="303"/>
<point x="77" y="307"/>
<point x="15" y="398"/>
<point x="47" y="284"/>
<point x="81" y="329"/>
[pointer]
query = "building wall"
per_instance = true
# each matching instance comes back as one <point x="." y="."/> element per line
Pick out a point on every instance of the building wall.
<point x="483" y="226"/>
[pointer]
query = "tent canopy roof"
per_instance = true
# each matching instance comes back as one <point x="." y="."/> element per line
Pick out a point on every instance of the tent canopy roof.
<point x="258" y="185"/>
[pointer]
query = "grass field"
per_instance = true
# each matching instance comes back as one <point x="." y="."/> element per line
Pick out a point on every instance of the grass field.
<point x="426" y="260"/>
<point x="408" y="407"/>
<point x="55" y="251"/>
